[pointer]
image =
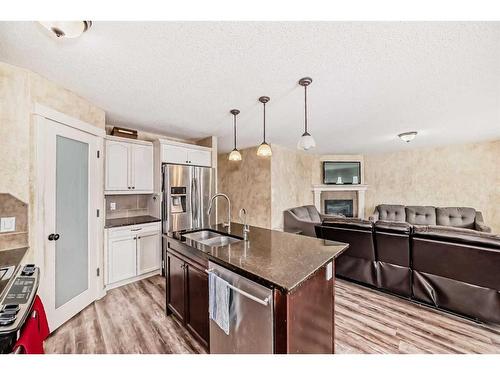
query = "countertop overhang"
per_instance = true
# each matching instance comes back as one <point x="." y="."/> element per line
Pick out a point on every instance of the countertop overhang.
<point x="284" y="260"/>
<point x="132" y="220"/>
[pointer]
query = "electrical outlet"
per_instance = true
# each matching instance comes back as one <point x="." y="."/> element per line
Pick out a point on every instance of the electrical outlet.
<point x="7" y="224"/>
<point x="112" y="206"/>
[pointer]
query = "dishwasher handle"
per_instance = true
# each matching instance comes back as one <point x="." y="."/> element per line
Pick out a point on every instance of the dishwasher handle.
<point x="263" y="302"/>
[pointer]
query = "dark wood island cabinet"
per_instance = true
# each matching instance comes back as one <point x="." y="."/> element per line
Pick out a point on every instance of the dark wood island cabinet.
<point x="298" y="270"/>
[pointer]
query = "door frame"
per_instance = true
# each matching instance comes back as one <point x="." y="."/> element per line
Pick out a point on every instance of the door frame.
<point x="40" y="113"/>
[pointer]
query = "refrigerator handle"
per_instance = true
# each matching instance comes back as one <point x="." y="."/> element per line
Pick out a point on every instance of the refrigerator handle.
<point x="192" y="201"/>
<point x="166" y="199"/>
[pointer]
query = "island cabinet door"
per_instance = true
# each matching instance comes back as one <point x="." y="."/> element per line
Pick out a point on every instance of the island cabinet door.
<point x="197" y="302"/>
<point x="176" y="285"/>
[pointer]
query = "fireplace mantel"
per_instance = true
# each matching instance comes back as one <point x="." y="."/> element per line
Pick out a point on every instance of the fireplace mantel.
<point x="358" y="188"/>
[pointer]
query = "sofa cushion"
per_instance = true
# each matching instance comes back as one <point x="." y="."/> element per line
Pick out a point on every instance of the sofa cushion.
<point x="391" y="212"/>
<point x="392" y="227"/>
<point x="421" y="215"/>
<point x="307" y="213"/>
<point x="458" y="235"/>
<point x="348" y="223"/>
<point x="461" y="217"/>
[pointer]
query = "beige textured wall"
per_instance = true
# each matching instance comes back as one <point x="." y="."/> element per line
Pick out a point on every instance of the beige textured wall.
<point x="248" y="184"/>
<point x="292" y="174"/>
<point x="20" y="89"/>
<point x="14" y="131"/>
<point x="458" y="175"/>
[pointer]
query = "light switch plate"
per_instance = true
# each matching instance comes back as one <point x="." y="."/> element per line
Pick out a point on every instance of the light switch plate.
<point x="7" y="224"/>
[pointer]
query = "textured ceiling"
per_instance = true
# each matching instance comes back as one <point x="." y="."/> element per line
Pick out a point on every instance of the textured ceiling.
<point x="371" y="81"/>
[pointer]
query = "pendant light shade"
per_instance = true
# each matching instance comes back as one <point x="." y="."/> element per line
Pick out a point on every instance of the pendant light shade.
<point x="235" y="154"/>
<point x="264" y="148"/>
<point x="306" y="142"/>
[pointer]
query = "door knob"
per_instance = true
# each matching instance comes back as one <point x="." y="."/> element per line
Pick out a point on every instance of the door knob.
<point x="53" y="237"/>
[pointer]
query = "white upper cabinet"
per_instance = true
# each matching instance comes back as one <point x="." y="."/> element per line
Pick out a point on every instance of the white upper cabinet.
<point x="200" y="157"/>
<point x="189" y="155"/>
<point x="117" y="166"/>
<point x="129" y="167"/>
<point x="142" y="167"/>
<point x="174" y="154"/>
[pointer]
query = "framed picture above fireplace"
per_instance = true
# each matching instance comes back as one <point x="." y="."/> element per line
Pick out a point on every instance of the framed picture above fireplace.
<point x="341" y="172"/>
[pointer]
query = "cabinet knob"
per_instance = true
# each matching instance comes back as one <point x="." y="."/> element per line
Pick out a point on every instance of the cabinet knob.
<point x="133" y="187"/>
<point x="53" y="237"/>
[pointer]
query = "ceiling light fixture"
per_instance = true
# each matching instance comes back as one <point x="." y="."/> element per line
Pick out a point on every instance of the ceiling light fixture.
<point x="264" y="149"/>
<point x="235" y="154"/>
<point x="306" y="141"/>
<point x="66" y="29"/>
<point x="408" y="136"/>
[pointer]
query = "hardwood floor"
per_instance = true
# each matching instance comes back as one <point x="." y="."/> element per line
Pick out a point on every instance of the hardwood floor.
<point x="368" y="321"/>
<point x="131" y="319"/>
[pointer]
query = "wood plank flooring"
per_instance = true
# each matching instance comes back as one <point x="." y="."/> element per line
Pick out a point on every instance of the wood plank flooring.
<point x="368" y="321"/>
<point x="131" y="319"/>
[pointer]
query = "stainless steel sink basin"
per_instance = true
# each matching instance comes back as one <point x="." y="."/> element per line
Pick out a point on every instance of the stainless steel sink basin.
<point x="212" y="239"/>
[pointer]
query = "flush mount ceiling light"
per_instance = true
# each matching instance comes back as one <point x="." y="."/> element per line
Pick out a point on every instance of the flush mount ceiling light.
<point x="306" y="142"/>
<point x="235" y="154"/>
<point x="67" y="29"/>
<point x="264" y="149"/>
<point x="408" y="136"/>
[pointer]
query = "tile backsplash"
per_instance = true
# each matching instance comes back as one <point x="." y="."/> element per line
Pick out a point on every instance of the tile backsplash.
<point x="128" y="205"/>
<point x="10" y="206"/>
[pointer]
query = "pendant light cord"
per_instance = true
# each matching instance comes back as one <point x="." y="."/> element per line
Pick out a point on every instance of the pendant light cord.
<point x="234" y="131"/>
<point x="305" y="108"/>
<point x="264" y="122"/>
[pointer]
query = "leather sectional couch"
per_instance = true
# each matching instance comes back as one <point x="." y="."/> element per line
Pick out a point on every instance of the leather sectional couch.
<point x="442" y="257"/>
<point x="303" y="219"/>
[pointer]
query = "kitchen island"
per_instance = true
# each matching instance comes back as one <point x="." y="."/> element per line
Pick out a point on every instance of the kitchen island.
<point x="297" y="271"/>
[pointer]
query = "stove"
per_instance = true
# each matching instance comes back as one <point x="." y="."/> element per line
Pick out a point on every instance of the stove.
<point x="16" y="303"/>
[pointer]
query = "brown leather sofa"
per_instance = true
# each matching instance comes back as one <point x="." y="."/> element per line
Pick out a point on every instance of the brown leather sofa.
<point x="458" y="270"/>
<point x="450" y="268"/>
<point x="358" y="262"/>
<point x="303" y="219"/>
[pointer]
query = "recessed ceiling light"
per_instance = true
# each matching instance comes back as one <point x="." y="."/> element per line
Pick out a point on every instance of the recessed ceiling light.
<point x="408" y="136"/>
<point x="66" y="29"/>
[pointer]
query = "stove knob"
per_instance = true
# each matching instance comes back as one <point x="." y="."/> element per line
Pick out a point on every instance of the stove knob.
<point x="7" y="318"/>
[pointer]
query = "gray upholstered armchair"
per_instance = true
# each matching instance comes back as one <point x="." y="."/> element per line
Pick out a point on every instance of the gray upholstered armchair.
<point x="303" y="220"/>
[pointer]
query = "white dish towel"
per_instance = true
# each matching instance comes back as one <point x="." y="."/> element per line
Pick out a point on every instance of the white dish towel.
<point x="218" y="303"/>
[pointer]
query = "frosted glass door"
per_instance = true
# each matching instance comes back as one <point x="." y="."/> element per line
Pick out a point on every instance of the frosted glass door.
<point x="72" y="215"/>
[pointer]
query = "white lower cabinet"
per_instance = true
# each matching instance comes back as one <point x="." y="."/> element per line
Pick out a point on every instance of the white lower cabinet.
<point x="148" y="252"/>
<point x="132" y="251"/>
<point x="122" y="259"/>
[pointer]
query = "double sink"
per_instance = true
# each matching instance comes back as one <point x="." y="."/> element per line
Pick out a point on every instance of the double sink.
<point x="211" y="238"/>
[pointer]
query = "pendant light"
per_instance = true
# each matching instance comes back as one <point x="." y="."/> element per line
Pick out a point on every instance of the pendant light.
<point x="306" y="142"/>
<point x="67" y="29"/>
<point x="235" y="154"/>
<point x="264" y="149"/>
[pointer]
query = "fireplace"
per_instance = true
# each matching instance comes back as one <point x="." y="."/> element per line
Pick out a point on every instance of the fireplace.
<point x="339" y="206"/>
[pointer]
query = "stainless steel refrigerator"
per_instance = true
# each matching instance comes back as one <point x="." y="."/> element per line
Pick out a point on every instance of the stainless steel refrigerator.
<point x="186" y="195"/>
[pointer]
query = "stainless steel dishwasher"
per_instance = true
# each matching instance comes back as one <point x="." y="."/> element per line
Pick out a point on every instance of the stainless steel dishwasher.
<point x="250" y="317"/>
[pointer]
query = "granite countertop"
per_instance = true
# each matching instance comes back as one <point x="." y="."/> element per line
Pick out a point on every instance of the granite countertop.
<point x="282" y="259"/>
<point x="10" y="258"/>
<point x="134" y="220"/>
